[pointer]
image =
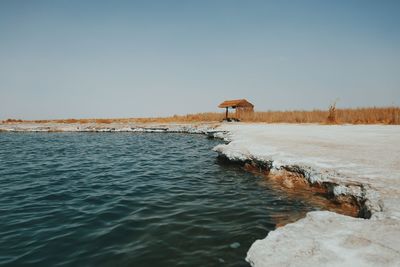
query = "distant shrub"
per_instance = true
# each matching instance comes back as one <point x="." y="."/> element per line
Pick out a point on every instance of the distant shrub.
<point x="12" y="120"/>
<point x="332" y="114"/>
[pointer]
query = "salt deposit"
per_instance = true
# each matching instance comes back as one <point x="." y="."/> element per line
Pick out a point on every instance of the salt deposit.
<point x="344" y="155"/>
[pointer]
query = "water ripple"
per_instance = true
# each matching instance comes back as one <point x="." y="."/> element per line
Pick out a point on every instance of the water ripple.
<point x="124" y="199"/>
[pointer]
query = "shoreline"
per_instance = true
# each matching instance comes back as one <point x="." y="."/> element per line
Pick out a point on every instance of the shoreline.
<point x="262" y="148"/>
<point x="195" y="128"/>
<point x="350" y="199"/>
<point x="360" y="162"/>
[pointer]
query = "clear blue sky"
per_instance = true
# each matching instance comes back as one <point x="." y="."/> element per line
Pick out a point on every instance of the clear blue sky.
<point x="64" y="59"/>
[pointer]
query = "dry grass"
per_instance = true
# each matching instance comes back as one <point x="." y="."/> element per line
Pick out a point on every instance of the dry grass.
<point x="12" y="121"/>
<point x="386" y="115"/>
<point x="332" y="116"/>
<point x="374" y="115"/>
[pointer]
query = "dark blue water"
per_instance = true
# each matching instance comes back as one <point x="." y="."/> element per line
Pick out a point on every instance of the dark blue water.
<point x="123" y="199"/>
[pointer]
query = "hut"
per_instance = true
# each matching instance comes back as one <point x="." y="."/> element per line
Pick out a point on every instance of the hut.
<point x="241" y="106"/>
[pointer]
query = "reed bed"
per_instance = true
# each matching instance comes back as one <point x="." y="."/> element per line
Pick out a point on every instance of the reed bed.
<point x="369" y="115"/>
<point x="375" y="115"/>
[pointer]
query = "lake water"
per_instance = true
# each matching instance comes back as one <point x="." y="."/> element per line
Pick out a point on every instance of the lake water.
<point x="123" y="199"/>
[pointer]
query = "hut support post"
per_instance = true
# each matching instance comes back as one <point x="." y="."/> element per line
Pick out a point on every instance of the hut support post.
<point x="226" y="113"/>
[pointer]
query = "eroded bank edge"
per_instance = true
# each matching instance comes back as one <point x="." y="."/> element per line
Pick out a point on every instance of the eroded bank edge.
<point x="361" y="197"/>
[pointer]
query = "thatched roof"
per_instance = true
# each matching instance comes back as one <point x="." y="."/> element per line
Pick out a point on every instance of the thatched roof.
<point x="236" y="103"/>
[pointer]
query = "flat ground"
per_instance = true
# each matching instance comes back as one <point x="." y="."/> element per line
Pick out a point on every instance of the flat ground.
<point x="367" y="154"/>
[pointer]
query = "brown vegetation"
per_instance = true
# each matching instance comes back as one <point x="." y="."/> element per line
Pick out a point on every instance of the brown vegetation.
<point x="386" y="115"/>
<point x="332" y="114"/>
<point x="374" y="115"/>
<point x="12" y="121"/>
